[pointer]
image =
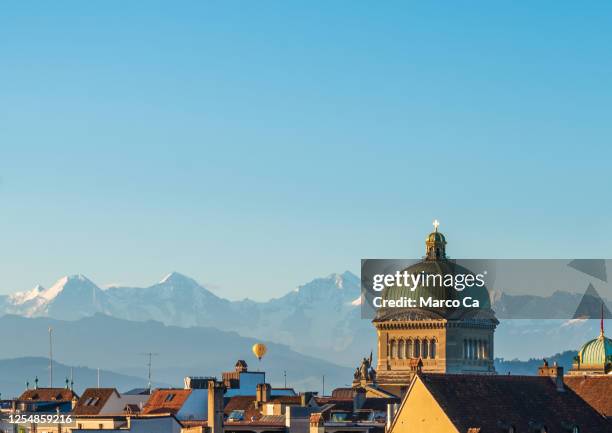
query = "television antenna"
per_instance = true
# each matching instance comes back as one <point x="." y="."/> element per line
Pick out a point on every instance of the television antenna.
<point x="150" y="355"/>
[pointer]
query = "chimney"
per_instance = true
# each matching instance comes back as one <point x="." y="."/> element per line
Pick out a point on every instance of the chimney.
<point x="305" y="398"/>
<point x="555" y="373"/>
<point x="359" y="398"/>
<point x="215" y="406"/>
<point x="263" y="393"/>
<point x="316" y="423"/>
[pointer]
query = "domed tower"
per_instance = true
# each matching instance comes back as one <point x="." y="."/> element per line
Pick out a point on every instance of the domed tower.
<point x="435" y="245"/>
<point x="438" y="340"/>
<point x="595" y="356"/>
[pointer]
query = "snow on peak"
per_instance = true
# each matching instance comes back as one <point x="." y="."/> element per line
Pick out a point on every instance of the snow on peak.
<point x="21" y="297"/>
<point x="55" y="289"/>
<point x="176" y="277"/>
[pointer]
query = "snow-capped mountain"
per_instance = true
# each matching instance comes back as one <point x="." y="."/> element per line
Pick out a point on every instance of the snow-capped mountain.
<point x="319" y="318"/>
<point x="71" y="297"/>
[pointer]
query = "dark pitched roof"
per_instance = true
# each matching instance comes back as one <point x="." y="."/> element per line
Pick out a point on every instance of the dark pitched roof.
<point x="485" y="402"/>
<point x="93" y="400"/>
<point x="48" y="394"/>
<point x="286" y="399"/>
<point x="166" y="401"/>
<point x="595" y="390"/>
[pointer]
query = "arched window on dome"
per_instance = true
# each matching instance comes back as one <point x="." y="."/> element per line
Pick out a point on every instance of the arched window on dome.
<point x="409" y="345"/>
<point x="425" y="349"/>
<point x="465" y="349"/>
<point x="400" y="349"/>
<point x="417" y="348"/>
<point x="432" y="348"/>
<point x="393" y="349"/>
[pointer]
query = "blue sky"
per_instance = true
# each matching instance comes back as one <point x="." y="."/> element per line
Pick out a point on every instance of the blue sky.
<point x="257" y="145"/>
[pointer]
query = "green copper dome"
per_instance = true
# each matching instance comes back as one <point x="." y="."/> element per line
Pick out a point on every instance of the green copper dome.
<point x="596" y="352"/>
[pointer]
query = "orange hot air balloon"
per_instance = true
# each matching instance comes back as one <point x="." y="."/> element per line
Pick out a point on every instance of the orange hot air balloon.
<point x="259" y="350"/>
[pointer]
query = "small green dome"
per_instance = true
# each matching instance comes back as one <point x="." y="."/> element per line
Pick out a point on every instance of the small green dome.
<point x="596" y="352"/>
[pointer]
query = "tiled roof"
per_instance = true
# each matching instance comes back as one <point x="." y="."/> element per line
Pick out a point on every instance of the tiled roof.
<point x="486" y="402"/>
<point x="48" y="394"/>
<point x="166" y="401"/>
<point x="244" y="403"/>
<point x="344" y="393"/>
<point x="286" y="399"/>
<point x="93" y="400"/>
<point x="595" y="390"/>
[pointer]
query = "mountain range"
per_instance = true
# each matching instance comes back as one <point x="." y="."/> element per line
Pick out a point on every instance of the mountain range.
<point x="321" y="318"/>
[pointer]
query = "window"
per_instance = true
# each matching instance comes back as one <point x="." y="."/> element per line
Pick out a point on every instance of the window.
<point x="170" y="397"/>
<point x="409" y="349"/>
<point x="92" y="401"/>
<point x="432" y="349"/>
<point x="236" y="415"/>
<point x="417" y="349"/>
<point x="393" y="349"/>
<point x="400" y="349"/>
<point x="425" y="349"/>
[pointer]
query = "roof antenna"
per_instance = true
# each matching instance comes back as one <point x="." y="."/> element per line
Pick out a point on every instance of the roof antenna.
<point x="149" y="364"/>
<point x="601" y="325"/>
<point x="50" y="357"/>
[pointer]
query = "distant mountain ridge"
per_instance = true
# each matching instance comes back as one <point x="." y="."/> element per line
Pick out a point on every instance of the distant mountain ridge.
<point x="119" y="346"/>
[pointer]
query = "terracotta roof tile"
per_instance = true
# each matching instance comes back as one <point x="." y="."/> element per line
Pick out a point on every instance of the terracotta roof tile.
<point x="93" y="400"/>
<point x="48" y="394"/>
<point x="166" y="401"/>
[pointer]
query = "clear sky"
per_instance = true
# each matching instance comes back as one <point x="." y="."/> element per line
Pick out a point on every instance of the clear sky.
<point x="257" y="145"/>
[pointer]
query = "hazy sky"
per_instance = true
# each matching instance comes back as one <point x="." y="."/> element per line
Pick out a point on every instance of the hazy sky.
<point x="257" y="145"/>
